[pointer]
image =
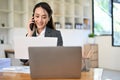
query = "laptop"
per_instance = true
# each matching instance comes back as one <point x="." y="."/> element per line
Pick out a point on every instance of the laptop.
<point x="21" y="44"/>
<point x="55" y="62"/>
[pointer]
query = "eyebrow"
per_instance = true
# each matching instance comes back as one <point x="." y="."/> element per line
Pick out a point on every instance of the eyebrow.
<point x="42" y="15"/>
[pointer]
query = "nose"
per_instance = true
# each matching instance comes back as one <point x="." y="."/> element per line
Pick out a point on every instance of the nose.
<point x="40" y="19"/>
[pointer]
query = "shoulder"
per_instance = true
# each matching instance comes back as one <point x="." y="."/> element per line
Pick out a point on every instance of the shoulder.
<point x="52" y="30"/>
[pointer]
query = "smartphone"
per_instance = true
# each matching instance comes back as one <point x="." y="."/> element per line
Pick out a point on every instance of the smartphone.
<point x="32" y="24"/>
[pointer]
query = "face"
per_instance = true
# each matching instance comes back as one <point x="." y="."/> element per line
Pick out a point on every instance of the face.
<point x="41" y="17"/>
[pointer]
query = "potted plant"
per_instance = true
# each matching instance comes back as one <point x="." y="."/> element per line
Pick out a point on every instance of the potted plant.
<point x="91" y="35"/>
<point x="91" y="38"/>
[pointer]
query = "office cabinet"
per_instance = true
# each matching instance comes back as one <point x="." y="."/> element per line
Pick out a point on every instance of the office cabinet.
<point x="66" y="13"/>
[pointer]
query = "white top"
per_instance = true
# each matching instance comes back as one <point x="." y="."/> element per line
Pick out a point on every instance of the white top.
<point x="42" y="34"/>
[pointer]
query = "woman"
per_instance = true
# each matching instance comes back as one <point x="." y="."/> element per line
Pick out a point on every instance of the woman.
<point x="41" y="24"/>
<point x="42" y="18"/>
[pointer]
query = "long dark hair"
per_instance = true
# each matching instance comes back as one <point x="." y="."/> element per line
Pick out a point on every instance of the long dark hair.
<point x="46" y="6"/>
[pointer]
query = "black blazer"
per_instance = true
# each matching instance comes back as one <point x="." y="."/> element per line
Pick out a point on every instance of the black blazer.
<point x="53" y="33"/>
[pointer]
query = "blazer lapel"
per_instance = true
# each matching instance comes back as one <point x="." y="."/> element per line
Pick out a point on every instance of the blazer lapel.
<point x="48" y="32"/>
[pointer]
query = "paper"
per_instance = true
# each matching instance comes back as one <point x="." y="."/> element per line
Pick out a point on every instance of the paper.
<point x="98" y="73"/>
<point x="21" y="45"/>
<point x="17" y="69"/>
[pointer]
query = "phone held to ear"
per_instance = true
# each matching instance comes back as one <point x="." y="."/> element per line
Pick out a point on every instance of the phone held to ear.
<point x="32" y="24"/>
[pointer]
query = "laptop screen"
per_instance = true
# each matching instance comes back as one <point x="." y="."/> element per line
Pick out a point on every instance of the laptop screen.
<point x="55" y="62"/>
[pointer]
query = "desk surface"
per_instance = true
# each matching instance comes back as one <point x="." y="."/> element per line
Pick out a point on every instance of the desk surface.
<point x="24" y="76"/>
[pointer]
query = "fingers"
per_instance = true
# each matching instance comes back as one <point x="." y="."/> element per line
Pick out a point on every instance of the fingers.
<point x="30" y="32"/>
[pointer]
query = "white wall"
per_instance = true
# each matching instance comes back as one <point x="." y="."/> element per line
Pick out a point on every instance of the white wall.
<point x="74" y="37"/>
<point x="109" y="56"/>
<point x="16" y="32"/>
<point x="3" y="33"/>
<point x="71" y="37"/>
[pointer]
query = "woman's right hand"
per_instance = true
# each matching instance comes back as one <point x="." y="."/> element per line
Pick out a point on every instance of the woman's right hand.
<point x="30" y="32"/>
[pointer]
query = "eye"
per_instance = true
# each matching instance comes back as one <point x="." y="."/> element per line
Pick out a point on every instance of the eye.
<point x="44" y="17"/>
<point x="37" y="16"/>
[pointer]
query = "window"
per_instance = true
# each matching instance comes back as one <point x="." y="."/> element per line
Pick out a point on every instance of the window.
<point x="116" y="23"/>
<point x="102" y="17"/>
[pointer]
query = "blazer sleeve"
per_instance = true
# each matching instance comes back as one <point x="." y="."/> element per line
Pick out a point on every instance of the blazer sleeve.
<point x="60" y="40"/>
<point x="54" y="33"/>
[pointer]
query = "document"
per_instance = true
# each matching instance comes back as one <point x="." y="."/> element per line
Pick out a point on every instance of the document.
<point x="16" y="69"/>
<point x="21" y="45"/>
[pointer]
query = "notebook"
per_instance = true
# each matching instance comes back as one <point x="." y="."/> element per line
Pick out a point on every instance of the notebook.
<point x="21" y="44"/>
<point x="55" y="62"/>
